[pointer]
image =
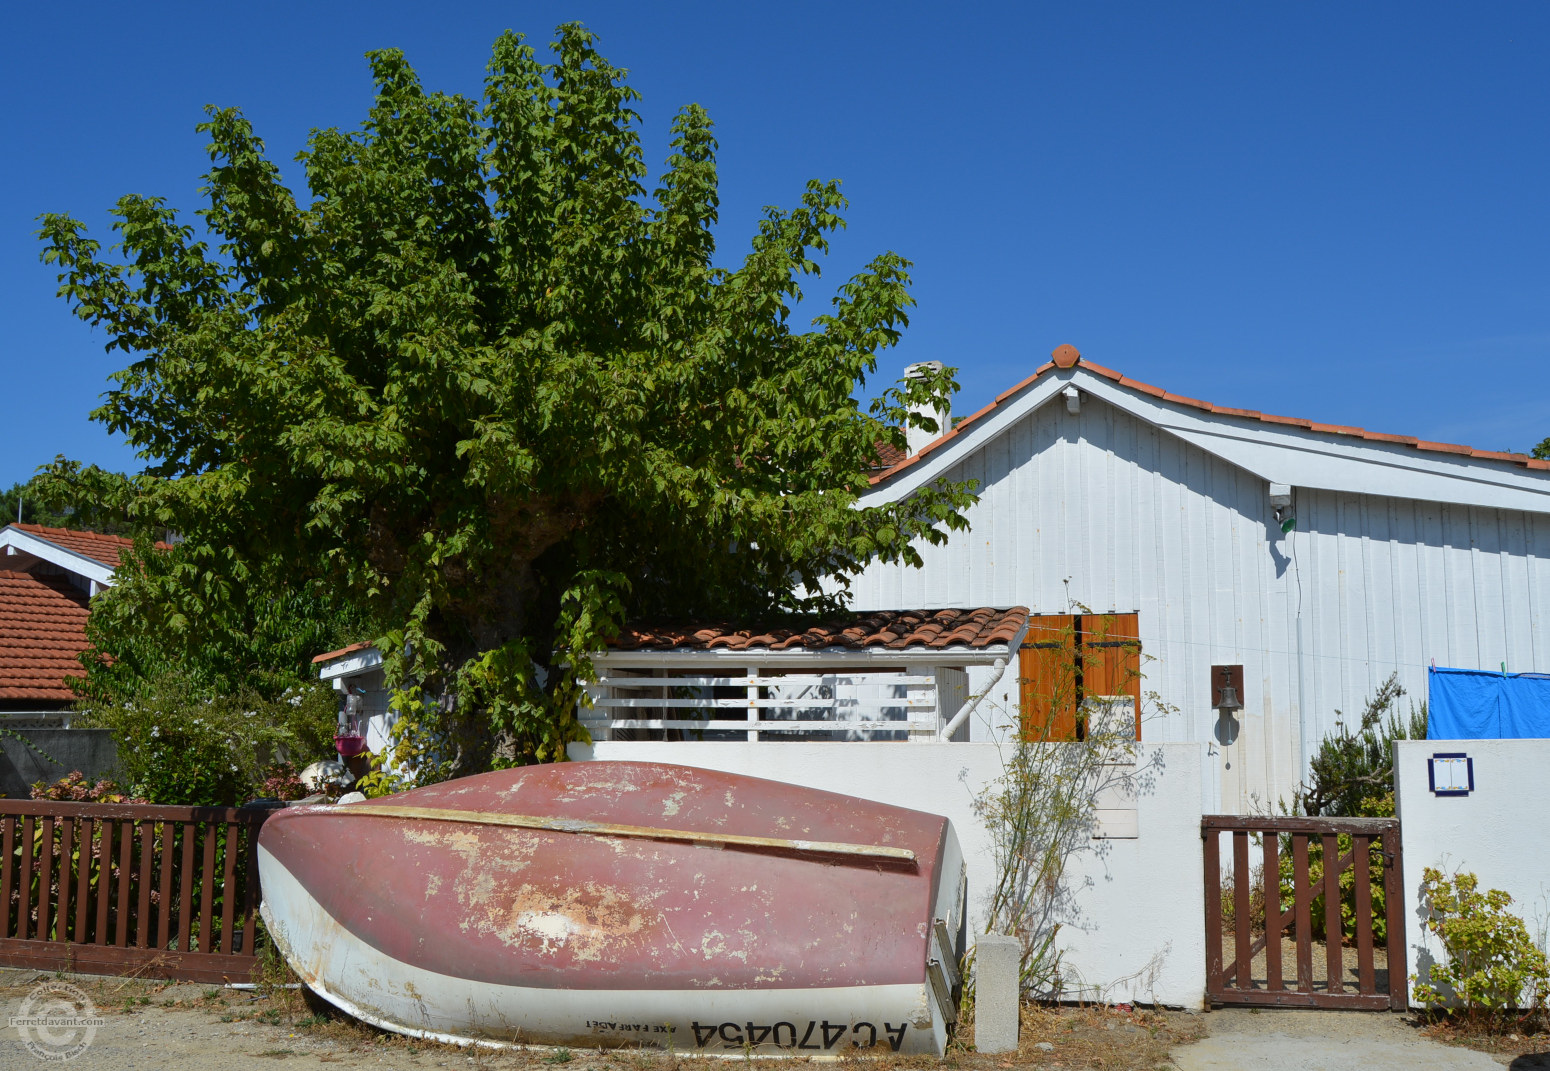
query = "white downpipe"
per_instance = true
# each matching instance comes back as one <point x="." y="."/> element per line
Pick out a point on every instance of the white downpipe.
<point x="947" y="731"/>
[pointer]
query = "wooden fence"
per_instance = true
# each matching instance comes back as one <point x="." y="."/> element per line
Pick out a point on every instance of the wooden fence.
<point x="103" y="888"/>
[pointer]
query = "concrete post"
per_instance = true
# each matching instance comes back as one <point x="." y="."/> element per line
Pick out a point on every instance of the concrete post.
<point x="996" y="993"/>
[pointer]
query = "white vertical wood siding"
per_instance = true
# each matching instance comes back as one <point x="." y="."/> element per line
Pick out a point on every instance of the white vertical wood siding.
<point x="1104" y="511"/>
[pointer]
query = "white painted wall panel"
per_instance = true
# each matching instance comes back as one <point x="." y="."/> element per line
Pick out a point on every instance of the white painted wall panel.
<point x="1103" y="510"/>
<point x="1133" y="930"/>
<point x="1483" y="833"/>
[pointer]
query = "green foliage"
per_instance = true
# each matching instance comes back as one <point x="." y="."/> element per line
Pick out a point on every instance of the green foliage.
<point x="484" y="388"/>
<point x="176" y="746"/>
<point x="1351" y="770"/>
<point x="1377" y="889"/>
<point x="1493" y="965"/>
<point x="166" y="617"/>
<point x="87" y="505"/>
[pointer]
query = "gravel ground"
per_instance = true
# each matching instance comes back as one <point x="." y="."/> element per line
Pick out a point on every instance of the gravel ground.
<point x="156" y="1026"/>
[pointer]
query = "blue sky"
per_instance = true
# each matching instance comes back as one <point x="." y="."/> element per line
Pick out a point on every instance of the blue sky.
<point x="1324" y="210"/>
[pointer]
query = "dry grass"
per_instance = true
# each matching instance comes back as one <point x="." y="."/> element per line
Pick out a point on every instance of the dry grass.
<point x="1512" y="1038"/>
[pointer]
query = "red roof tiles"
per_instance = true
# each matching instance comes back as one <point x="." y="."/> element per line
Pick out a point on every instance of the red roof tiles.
<point x="42" y="630"/>
<point x="93" y="545"/>
<point x="888" y="455"/>
<point x="331" y="655"/>
<point x="1068" y="357"/>
<point x="889" y="629"/>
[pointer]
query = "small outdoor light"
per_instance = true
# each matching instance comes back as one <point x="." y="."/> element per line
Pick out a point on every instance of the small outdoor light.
<point x="1281" y="502"/>
<point x="1228" y="687"/>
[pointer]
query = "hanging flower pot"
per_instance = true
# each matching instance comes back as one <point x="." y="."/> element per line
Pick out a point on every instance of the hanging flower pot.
<point x="350" y="737"/>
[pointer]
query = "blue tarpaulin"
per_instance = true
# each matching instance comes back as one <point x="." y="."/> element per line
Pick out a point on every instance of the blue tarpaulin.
<point x="1472" y="704"/>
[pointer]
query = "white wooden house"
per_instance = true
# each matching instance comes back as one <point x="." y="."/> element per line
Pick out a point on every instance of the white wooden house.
<point x="1103" y="495"/>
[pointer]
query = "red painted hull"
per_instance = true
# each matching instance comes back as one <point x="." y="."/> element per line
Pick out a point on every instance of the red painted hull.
<point x="534" y="919"/>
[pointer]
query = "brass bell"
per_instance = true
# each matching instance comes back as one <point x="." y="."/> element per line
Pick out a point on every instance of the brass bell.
<point x="1227" y="698"/>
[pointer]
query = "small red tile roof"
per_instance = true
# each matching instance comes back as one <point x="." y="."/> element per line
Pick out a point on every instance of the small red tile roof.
<point x="888" y="455"/>
<point x="331" y="655"/>
<point x="93" y="545"/>
<point x="42" y="630"/>
<point x="1066" y="356"/>
<point x="890" y="629"/>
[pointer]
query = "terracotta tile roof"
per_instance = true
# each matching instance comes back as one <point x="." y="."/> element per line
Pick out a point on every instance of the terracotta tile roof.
<point x="1067" y="357"/>
<point x="888" y="455"/>
<point x="890" y="629"/>
<point x="331" y="655"/>
<point x="93" y="545"/>
<point x="42" y="630"/>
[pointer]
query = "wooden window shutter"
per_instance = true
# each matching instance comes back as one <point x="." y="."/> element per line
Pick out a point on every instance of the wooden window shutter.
<point x="1047" y="666"/>
<point x="1111" y="658"/>
<point x="1066" y="658"/>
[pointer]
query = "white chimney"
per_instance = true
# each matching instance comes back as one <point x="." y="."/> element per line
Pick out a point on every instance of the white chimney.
<point x="916" y="438"/>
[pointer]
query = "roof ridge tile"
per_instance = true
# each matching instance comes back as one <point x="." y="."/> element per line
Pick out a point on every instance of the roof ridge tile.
<point x="1063" y="354"/>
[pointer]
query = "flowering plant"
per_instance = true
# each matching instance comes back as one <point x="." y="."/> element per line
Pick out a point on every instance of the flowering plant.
<point x="75" y="788"/>
<point x="178" y="747"/>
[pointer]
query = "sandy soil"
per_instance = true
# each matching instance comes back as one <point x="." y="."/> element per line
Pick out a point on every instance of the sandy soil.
<point x="1350" y="976"/>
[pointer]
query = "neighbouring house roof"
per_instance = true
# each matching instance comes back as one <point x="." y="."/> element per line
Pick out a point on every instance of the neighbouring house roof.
<point x="95" y="545"/>
<point x="89" y="555"/>
<point x="894" y="630"/>
<point x="42" y="631"/>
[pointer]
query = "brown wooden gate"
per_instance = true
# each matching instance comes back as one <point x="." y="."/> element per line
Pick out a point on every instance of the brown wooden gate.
<point x="1304" y="901"/>
<point x="119" y="888"/>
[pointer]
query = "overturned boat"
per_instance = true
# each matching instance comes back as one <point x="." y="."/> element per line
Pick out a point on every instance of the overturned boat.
<point x="624" y="903"/>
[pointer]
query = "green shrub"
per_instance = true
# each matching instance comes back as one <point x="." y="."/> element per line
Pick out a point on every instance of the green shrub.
<point x="1372" y="807"/>
<point x="1288" y="893"/>
<point x="1351" y="770"/>
<point x="175" y="747"/>
<point x="1493" y="965"/>
<point x="1352" y="776"/>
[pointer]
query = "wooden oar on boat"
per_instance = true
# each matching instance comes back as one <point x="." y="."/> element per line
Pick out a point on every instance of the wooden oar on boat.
<point x="613" y="829"/>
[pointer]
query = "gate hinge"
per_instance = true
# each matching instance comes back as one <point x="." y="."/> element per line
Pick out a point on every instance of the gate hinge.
<point x="1388" y="859"/>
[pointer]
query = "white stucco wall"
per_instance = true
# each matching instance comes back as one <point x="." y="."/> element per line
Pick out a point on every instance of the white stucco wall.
<point x="1103" y="510"/>
<point x="1497" y="832"/>
<point x="1138" y="931"/>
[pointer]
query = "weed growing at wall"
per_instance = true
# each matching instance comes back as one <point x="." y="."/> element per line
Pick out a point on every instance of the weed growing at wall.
<point x="1040" y="815"/>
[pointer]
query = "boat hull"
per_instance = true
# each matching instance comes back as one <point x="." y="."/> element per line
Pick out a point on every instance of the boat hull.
<point x="608" y="941"/>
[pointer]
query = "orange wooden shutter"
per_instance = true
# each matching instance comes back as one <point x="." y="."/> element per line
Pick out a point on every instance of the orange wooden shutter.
<point x="1046" y="665"/>
<point x="1111" y="658"/>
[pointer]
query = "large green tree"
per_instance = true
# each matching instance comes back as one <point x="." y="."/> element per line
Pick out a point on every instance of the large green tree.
<point x="486" y="387"/>
<point x="87" y="505"/>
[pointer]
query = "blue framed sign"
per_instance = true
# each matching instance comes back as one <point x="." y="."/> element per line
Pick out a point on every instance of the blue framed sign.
<point x="1451" y="773"/>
